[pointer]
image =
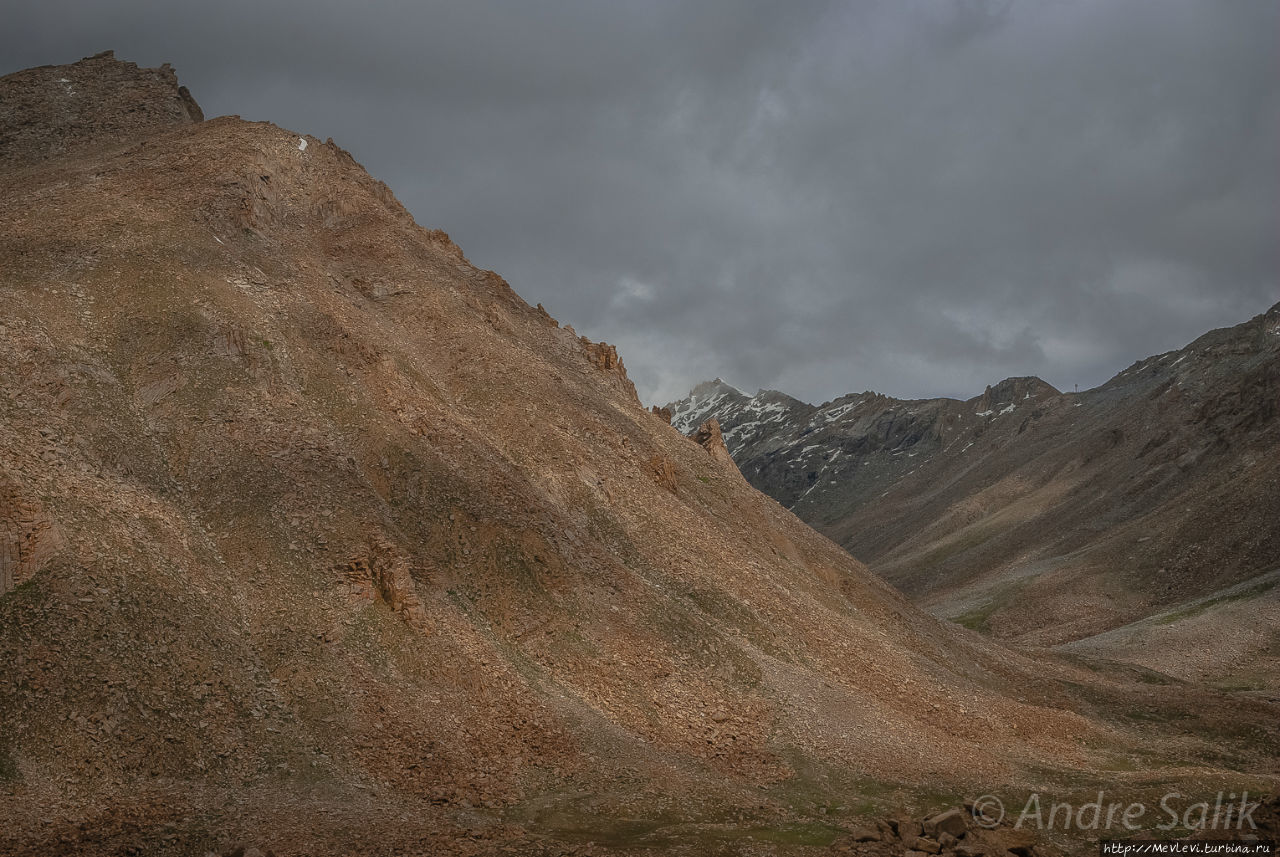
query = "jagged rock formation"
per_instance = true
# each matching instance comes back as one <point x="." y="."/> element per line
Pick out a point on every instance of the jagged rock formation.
<point x="29" y="538"/>
<point x="51" y="111"/>
<point x="1030" y="513"/>
<point x="359" y="553"/>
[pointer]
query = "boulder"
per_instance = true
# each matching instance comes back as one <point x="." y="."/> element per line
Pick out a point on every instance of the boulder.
<point x="663" y="470"/>
<point x="927" y="845"/>
<point x="952" y="821"/>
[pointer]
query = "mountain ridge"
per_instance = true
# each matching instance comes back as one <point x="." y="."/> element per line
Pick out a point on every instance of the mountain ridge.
<point x="943" y="520"/>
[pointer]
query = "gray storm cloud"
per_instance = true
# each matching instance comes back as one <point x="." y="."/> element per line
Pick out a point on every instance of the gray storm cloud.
<point x="918" y="197"/>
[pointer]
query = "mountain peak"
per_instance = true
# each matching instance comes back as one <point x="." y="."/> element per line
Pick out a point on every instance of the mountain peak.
<point x="53" y="110"/>
<point x="688" y="413"/>
<point x="1015" y="389"/>
<point x="713" y="387"/>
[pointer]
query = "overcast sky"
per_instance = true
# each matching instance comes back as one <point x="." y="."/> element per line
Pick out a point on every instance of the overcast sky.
<point x="918" y="197"/>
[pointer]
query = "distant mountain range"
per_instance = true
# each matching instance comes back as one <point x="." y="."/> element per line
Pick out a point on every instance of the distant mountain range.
<point x="1033" y="514"/>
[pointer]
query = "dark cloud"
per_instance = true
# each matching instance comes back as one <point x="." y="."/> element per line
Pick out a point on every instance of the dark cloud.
<point x="918" y="196"/>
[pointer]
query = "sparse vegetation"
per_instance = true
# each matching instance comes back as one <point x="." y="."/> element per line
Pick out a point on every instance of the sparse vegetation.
<point x="1208" y="604"/>
<point x="978" y="618"/>
<point x="8" y="767"/>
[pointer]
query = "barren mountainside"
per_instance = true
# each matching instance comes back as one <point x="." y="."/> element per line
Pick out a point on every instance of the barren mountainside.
<point x="1033" y="514"/>
<point x="313" y="534"/>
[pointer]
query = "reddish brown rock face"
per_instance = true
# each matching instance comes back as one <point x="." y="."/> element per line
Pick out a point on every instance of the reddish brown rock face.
<point x="663" y="414"/>
<point x="29" y="538"/>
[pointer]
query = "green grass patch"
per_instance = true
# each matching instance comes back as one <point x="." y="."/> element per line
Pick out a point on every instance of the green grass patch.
<point x="1156" y="715"/>
<point x="978" y="619"/>
<point x="1200" y="607"/>
<point x="1150" y="676"/>
<point x="824" y="793"/>
<point x="1114" y="669"/>
<point x="8" y="767"/>
<point x="810" y="833"/>
<point x="1239" y="684"/>
<point x="958" y="543"/>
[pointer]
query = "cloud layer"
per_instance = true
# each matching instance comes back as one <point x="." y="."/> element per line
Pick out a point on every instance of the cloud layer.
<point x="918" y="197"/>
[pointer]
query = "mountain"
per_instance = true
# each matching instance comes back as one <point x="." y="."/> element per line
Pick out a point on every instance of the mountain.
<point x="316" y="537"/>
<point x="1036" y="515"/>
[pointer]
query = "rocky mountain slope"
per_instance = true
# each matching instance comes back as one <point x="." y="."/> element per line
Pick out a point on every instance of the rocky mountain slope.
<point x="314" y="535"/>
<point x="1033" y="514"/>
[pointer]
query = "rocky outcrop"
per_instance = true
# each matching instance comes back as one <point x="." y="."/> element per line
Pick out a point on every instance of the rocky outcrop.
<point x="604" y="356"/>
<point x="52" y="111"/>
<point x="29" y="538"/>
<point x="385" y="573"/>
<point x="708" y="437"/>
<point x="663" y="470"/>
<point x="1011" y="391"/>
